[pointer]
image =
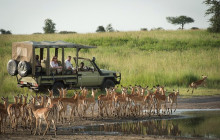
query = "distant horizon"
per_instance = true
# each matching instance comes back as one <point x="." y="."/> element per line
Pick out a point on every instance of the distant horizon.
<point x="27" y="16"/>
<point x="109" y="32"/>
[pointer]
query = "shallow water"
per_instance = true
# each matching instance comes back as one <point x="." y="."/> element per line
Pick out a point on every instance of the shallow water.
<point x="192" y="123"/>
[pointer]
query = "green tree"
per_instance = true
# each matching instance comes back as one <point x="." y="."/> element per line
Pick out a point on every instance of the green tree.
<point x="5" y="32"/>
<point x="100" y="29"/>
<point x="49" y="26"/>
<point x="214" y="10"/>
<point x="181" y="20"/>
<point x="109" y="28"/>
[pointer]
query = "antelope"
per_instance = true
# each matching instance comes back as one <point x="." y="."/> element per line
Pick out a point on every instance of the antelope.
<point x="121" y="103"/>
<point x="63" y="102"/>
<point x="54" y="106"/>
<point x="138" y="102"/>
<point x="29" y="114"/>
<point x="81" y="98"/>
<point x="41" y="103"/>
<point x="2" y="106"/>
<point x="55" y="100"/>
<point x="148" y="99"/>
<point x="198" y="83"/>
<point x="19" y="105"/>
<point x="90" y="102"/>
<point x="24" y="111"/>
<point x="172" y="98"/>
<point x="3" y="115"/>
<point x="139" y="88"/>
<point x="132" y="90"/>
<point x="13" y="113"/>
<point x="45" y="113"/>
<point x="105" y="101"/>
<point x="160" y="98"/>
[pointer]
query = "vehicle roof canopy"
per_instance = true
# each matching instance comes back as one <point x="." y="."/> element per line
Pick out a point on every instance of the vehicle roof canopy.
<point x="23" y="51"/>
<point x="54" y="44"/>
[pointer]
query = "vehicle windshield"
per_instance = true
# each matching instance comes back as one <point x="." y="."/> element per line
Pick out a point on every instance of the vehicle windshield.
<point x="85" y="65"/>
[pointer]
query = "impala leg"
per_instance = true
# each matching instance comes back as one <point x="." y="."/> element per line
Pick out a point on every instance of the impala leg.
<point x="106" y="111"/>
<point x="55" y="129"/>
<point x="71" y="114"/>
<point x="36" y="126"/>
<point x="48" y="125"/>
<point x="165" y="108"/>
<point x="39" y="125"/>
<point x="171" y="107"/>
<point x="92" y="108"/>
<point x="176" y="106"/>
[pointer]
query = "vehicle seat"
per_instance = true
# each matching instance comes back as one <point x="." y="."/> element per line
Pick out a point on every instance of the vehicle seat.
<point x="43" y="65"/>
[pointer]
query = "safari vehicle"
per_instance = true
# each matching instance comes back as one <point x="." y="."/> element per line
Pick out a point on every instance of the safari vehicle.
<point x="41" y="77"/>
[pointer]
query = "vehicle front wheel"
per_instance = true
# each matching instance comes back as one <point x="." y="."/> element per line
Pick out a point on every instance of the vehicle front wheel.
<point x="107" y="84"/>
<point x="56" y="86"/>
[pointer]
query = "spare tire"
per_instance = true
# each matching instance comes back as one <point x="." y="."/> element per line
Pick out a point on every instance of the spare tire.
<point x="12" y="67"/>
<point x="24" y="68"/>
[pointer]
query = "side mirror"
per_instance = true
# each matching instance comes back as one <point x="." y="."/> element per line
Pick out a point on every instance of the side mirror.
<point x="93" y="59"/>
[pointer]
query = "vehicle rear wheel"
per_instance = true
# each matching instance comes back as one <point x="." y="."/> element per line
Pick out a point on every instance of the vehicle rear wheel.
<point x="107" y="84"/>
<point x="56" y="86"/>
<point x="12" y="67"/>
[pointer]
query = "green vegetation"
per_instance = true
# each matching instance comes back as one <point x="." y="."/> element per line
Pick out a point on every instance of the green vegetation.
<point x="170" y="58"/>
<point x="214" y="11"/>
<point x="181" y="20"/>
<point x="49" y="26"/>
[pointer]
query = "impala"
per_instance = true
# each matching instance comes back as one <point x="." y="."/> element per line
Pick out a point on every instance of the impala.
<point x="64" y="102"/>
<point x="45" y="113"/>
<point x="3" y="114"/>
<point x="90" y="102"/>
<point x="13" y="113"/>
<point x="198" y="83"/>
<point x="172" y="98"/>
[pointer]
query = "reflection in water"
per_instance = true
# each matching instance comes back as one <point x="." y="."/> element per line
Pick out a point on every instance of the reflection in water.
<point x="201" y="124"/>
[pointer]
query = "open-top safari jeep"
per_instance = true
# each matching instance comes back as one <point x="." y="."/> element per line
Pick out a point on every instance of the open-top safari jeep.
<point x="38" y="78"/>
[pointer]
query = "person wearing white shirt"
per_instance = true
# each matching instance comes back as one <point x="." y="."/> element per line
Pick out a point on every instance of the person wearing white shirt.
<point x="54" y="64"/>
<point x="68" y="65"/>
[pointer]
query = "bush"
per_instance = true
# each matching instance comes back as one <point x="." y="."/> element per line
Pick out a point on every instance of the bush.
<point x="67" y="32"/>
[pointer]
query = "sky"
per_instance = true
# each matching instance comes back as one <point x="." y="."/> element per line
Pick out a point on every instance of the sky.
<point x="84" y="16"/>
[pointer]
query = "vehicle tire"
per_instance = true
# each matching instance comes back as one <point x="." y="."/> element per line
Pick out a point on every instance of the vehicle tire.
<point x="107" y="84"/>
<point x="56" y="86"/>
<point x="24" y="68"/>
<point x="12" y="67"/>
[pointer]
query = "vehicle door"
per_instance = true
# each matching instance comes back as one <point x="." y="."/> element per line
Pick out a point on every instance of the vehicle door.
<point x="89" y="75"/>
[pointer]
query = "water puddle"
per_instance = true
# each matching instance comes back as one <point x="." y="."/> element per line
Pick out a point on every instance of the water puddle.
<point x="192" y="123"/>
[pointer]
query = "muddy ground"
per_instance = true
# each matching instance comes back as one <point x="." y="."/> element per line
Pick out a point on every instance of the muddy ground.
<point x="65" y="132"/>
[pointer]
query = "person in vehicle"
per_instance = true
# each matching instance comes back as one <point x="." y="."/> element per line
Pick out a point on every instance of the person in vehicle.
<point x="68" y="64"/>
<point x="82" y="68"/>
<point x="54" y="64"/>
<point x="37" y="61"/>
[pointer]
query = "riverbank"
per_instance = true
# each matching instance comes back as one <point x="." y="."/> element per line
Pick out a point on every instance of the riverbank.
<point x="65" y="131"/>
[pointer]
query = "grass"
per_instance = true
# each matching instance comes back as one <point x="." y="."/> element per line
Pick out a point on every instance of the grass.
<point x="170" y="58"/>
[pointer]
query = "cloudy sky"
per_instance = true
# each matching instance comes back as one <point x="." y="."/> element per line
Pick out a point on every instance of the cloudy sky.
<point x="84" y="16"/>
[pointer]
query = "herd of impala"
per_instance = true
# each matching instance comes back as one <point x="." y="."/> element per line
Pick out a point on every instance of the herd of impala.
<point x="132" y="101"/>
<point x="140" y="102"/>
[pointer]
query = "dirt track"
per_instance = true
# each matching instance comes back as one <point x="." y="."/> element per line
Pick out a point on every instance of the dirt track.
<point x="197" y="102"/>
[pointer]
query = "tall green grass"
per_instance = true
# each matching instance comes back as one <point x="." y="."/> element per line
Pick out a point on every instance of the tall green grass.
<point x="171" y="58"/>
